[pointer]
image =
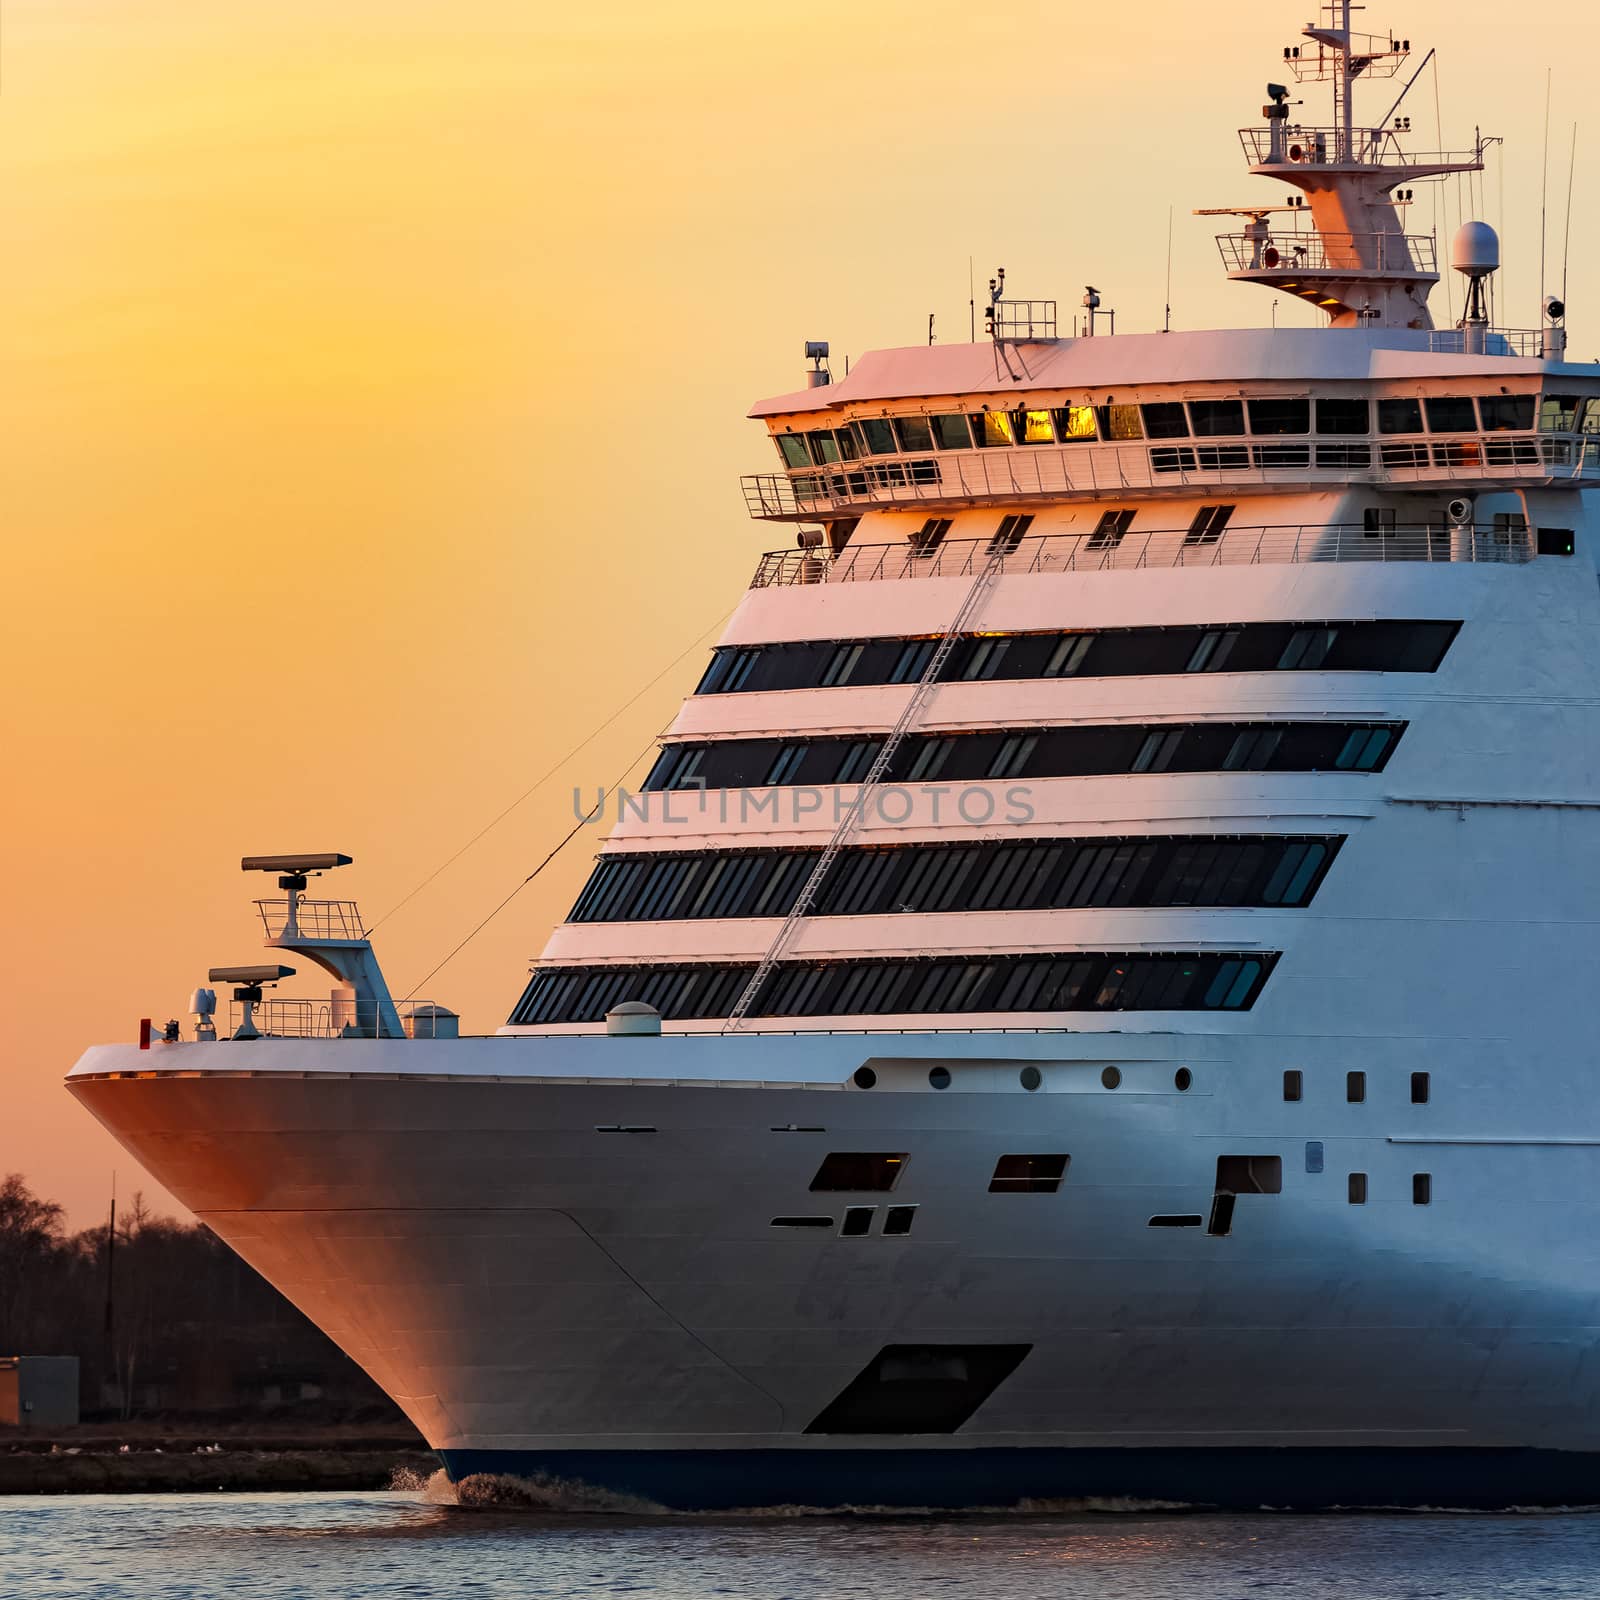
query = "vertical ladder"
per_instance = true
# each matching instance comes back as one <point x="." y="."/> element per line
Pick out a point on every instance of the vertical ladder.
<point x="874" y="775"/>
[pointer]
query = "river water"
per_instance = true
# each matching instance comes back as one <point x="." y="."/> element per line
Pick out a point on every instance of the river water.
<point x="344" y="1546"/>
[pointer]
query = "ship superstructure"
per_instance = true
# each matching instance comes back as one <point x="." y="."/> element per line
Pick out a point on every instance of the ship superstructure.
<point x="1092" y="996"/>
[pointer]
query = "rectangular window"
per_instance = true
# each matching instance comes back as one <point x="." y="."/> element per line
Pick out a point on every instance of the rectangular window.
<point x="1109" y="530"/>
<point x="793" y="449"/>
<point x="1314" y="1155"/>
<point x="930" y="535"/>
<point x="1355" y="1087"/>
<point x="1010" y="533"/>
<point x="1378" y="521"/>
<point x="824" y="447"/>
<point x="1400" y="416"/>
<point x="1503" y="413"/>
<point x="991" y="428"/>
<point x="1293" y="1084"/>
<point x="1343" y="417"/>
<point x="1560" y="413"/>
<point x="897" y="1221"/>
<point x="1076" y="423"/>
<point x="1120" y="422"/>
<point x="1450" y="413"/>
<point x="801" y="1222"/>
<point x="1033" y="427"/>
<point x="1356" y="1188"/>
<point x="1209" y="521"/>
<point x="879" y="436"/>
<point x="1028" y="1174"/>
<point x="1555" y="542"/>
<point x="913" y="433"/>
<point x="1421" y="1188"/>
<point x="1211" y="419"/>
<point x="950" y="431"/>
<point x="857" y="1222"/>
<point x="1280" y="416"/>
<point x="1419" y="1088"/>
<point x="1167" y="420"/>
<point x="849" y="1172"/>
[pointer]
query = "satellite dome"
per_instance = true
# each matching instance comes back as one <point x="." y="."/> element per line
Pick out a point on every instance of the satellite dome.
<point x="1475" y="249"/>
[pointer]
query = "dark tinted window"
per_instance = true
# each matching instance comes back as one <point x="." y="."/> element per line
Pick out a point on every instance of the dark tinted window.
<point x="1451" y="414"/>
<point x="1209" y="418"/>
<point x="1279" y="416"/>
<point x="910" y="1388"/>
<point x="1419" y="1088"/>
<point x="1356" y="1189"/>
<point x="1343" y="416"/>
<point x="878" y="435"/>
<point x="1421" y="1188"/>
<point x="1165" y="421"/>
<point x="1399" y="416"/>
<point x="1028" y="1174"/>
<point x="1355" y="1087"/>
<point x="1120" y="422"/>
<point x="1293" y="1084"/>
<point x="1071" y="981"/>
<point x="950" y="431"/>
<point x="793" y="449"/>
<point x="1499" y="412"/>
<point x="913" y="433"/>
<point x="854" y="1171"/>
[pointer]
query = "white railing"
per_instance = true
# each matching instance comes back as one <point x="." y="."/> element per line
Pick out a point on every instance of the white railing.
<point x="1021" y="319"/>
<point x="1369" y="147"/>
<point x="1522" y="342"/>
<point x="308" y="1018"/>
<point x="1173" y="547"/>
<point x="316" y="919"/>
<point x="1022" y="472"/>
<point x="1328" y="252"/>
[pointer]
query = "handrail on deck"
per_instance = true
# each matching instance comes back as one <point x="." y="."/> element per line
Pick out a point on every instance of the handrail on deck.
<point x="1172" y="547"/>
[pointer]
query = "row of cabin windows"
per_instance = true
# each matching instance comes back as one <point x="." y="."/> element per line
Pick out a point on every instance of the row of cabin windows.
<point x="1078" y="981"/>
<point x="993" y="875"/>
<point x="1355" y="1087"/>
<point x="1178" y="419"/>
<point x="1008" y="754"/>
<point x="1386" y="646"/>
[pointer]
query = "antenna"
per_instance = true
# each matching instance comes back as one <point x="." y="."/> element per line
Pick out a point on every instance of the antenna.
<point x="1544" y="180"/>
<point x="1566" y="243"/>
<point x="972" y="307"/>
<point x="1166" y="326"/>
<point x="930" y="327"/>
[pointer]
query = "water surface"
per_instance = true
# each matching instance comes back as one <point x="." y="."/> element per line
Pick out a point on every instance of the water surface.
<point x="345" y="1546"/>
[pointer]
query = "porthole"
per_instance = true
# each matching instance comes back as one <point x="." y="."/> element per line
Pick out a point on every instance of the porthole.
<point x="865" y="1077"/>
<point x="1182" y="1079"/>
<point x="939" y="1077"/>
<point x="1030" y="1078"/>
<point x="1111" y="1077"/>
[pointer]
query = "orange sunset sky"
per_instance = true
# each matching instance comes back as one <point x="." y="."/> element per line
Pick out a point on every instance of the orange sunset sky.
<point x="372" y="392"/>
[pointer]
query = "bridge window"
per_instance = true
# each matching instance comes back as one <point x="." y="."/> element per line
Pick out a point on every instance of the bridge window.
<point x="913" y="433"/>
<point x="1076" y="423"/>
<point x="1121" y="422"/>
<point x="1400" y="416"/>
<point x="992" y="427"/>
<point x="1560" y="413"/>
<point x="1505" y="412"/>
<point x="1450" y="413"/>
<point x="1280" y="416"/>
<point x="950" y="431"/>
<point x="824" y="447"/>
<point x="879" y="436"/>
<point x="1211" y="418"/>
<point x="1343" y="416"/>
<point x="1033" y="427"/>
<point x="1167" y="420"/>
<point x="792" y="447"/>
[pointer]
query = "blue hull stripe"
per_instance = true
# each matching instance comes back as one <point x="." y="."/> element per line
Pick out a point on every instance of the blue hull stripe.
<point x="1290" y="1478"/>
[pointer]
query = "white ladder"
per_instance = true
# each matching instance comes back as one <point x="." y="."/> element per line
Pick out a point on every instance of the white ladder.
<point x="874" y="775"/>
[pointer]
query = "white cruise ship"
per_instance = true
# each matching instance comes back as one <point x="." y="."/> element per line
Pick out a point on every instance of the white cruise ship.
<point x="1094" y="997"/>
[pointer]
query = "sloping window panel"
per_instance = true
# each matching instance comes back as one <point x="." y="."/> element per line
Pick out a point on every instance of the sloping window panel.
<point x="1076" y="423"/>
<point x="950" y="432"/>
<point x="1500" y="412"/>
<point x="1120" y="422"/>
<point x="843" y="661"/>
<point x="878" y="435"/>
<point x="1034" y="427"/>
<point x="992" y="428"/>
<point x="857" y="761"/>
<point x="913" y="433"/>
<point x="1067" y="657"/>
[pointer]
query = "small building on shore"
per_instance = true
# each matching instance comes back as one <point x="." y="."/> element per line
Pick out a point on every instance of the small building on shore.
<point x="39" y="1391"/>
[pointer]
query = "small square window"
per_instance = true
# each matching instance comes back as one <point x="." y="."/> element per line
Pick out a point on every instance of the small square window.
<point x="1293" y="1084"/>
<point x="857" y="1222"/>
<point x="1419" y="1088"/>
<point x="1421" y="1188"/>
<point x="1356" y="1189"/>
<point x="1355" y="1087"/>
<point x="897" y="1220"/>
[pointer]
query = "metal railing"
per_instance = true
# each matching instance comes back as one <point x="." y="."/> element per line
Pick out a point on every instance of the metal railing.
<point x="1023" y="472"/>
<point x="309" y="1018"/>
<point x="1370" y="147"/>
<point x="1172" y="547"/>
<point x="1021" y="319"/>
<point x="1523" y="342"/>
<point x="317" y="919"/>
<point x="1328" y="252"/>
